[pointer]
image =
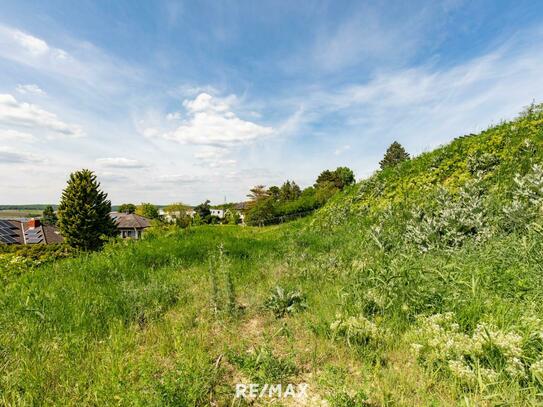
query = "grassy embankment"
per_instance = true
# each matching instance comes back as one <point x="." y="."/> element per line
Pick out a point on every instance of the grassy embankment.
<point x="416" y="295"/>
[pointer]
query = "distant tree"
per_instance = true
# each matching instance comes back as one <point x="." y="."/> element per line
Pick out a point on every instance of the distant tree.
<point x="274" y="192"/>
<point x="394" y="155"/>
<point x="262" y="212"/>
<point x="204" y="211"/>
<point x="197" y="219"/>
<point x="83" y="213"/>
<point x="232" y="217"/>
<point x="127" y="208"/>
<point x="256" y="194"/>
<point x="339" y="178"/>
<point x="343" y="177"/>
<point x="290" y="191"/>
<point x="49" y="216"/>
<point x="324" y="177"/>
<point x="147" y="210"/>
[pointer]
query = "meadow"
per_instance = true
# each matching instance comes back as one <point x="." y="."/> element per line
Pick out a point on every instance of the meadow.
<point x="421" y="285"/>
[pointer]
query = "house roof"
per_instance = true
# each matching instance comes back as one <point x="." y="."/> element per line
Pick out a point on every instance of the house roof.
<point x="19" y="232"/>
<point x="130" y="220"/>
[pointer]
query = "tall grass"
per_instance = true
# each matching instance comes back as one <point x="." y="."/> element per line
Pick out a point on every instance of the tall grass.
<point x="420" y="286"/>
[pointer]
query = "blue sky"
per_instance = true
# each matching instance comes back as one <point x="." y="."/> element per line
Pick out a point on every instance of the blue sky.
<point x="185" y="101"/>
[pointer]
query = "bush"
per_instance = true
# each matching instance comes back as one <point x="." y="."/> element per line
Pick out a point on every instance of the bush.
<point x="285" y="302"/>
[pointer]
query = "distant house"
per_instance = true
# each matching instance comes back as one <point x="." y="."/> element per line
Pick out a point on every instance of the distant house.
<point x="28" y="232"/>
<point x="219" y="213"/>
<point x="130" y="225"/>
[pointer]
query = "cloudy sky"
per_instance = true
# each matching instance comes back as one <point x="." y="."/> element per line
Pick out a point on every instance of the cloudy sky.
<point x="184" y="101"/>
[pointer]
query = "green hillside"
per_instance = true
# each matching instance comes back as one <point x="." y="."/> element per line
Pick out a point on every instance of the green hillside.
<point x="421" y="285"/>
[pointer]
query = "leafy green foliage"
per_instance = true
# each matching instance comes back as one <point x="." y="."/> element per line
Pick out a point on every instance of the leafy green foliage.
<point x="390" y="323"/>
<point x="285" y="302"/>
<point x="127" y="208"/>
<point x="277" y="205"/>
<point x="339" y="178"/>
<point x="83" y="212"/>
<point x="263" y="366"/>
<point x="147" y="210"/>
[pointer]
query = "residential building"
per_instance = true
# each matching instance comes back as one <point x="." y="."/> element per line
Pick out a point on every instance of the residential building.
<point x="28" y="232"/>
<point x="219" y="213"/>
<point x="130" y="225"/>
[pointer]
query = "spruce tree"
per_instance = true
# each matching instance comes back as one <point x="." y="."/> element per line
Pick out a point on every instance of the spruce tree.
<point x="83" y="213"/>
<point x="394" y="155"/>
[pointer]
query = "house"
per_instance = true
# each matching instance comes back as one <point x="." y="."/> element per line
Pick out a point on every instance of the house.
<point x="130" y="225"/>
<point x="28" y="232"/>
<point x="219" y="213"/>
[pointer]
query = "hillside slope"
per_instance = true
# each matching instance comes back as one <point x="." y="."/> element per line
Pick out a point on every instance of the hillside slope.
<point x="418" y="286"/>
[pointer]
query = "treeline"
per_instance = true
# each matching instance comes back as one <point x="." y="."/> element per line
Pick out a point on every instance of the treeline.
<point x="275" y="204"/>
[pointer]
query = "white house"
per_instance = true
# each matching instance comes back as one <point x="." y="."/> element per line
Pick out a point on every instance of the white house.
<point x="218" y="213"/>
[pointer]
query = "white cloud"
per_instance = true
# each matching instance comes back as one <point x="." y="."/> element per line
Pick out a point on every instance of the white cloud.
<point x="120" y="162"/>
<point x="179" y="179"/>
<point x="173" y="116"/>
<point x="33" y="45"/>
<point x="87" y="68"/>
<point x="30" y="89"/>
<point x="112" y="177"/>
<point x="11" y="156"/>
<point x="26" y="48"/>
<point x="17" y="136"/>
<point x="212" y="122"/>
<point x="14" y="113"/>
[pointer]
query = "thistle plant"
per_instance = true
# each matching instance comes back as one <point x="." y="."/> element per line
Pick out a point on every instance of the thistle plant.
<point x="223" y="296"/>
<point x="527" y="200"/>
<point x="451" y="221"/>
<point x="285" y="302"/>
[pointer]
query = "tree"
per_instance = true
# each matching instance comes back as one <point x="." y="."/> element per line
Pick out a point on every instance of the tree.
<point x="274" y="192"/>
<point x="127" y="208"/>
<point x="147" y="210"/>
<point x="232" y="217"/>
<point x="256" y="194"/>
<point x="49" y="216"/>
<point x="324" y="177"/>
<point x="339" y="178"/>
<point x="262" y="212"/>
<point x="178" y="214"/>
<point x="204" y="211"/>
<point x="394" y="155"/>
<point x="83" y="213"/>
<point x="344" y="176"/>
<point x="176" y="208"/>
<point x="290" y="191"/>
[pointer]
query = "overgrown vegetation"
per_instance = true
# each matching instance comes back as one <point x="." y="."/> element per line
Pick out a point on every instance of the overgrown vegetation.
<point x="422" y="284"/>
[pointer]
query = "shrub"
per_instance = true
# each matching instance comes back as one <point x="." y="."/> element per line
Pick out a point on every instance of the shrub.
<point x="451" y="221"/>
<point x="488" y="353"/>
<point x="527" y="200"/>
<point x="355" y="329"/>
<point x="283" y="303"/>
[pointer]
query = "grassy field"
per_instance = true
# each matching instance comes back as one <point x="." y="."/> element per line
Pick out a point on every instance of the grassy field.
<point x="418" y="286"/>
<point x="19" y="213"/>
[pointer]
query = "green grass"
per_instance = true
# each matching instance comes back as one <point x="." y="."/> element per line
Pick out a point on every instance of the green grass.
<point x="182" y="316"/>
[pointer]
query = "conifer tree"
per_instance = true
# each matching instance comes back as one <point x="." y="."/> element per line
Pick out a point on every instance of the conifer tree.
<point x="394" y="155"/>
<point x="83" y="213"/>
